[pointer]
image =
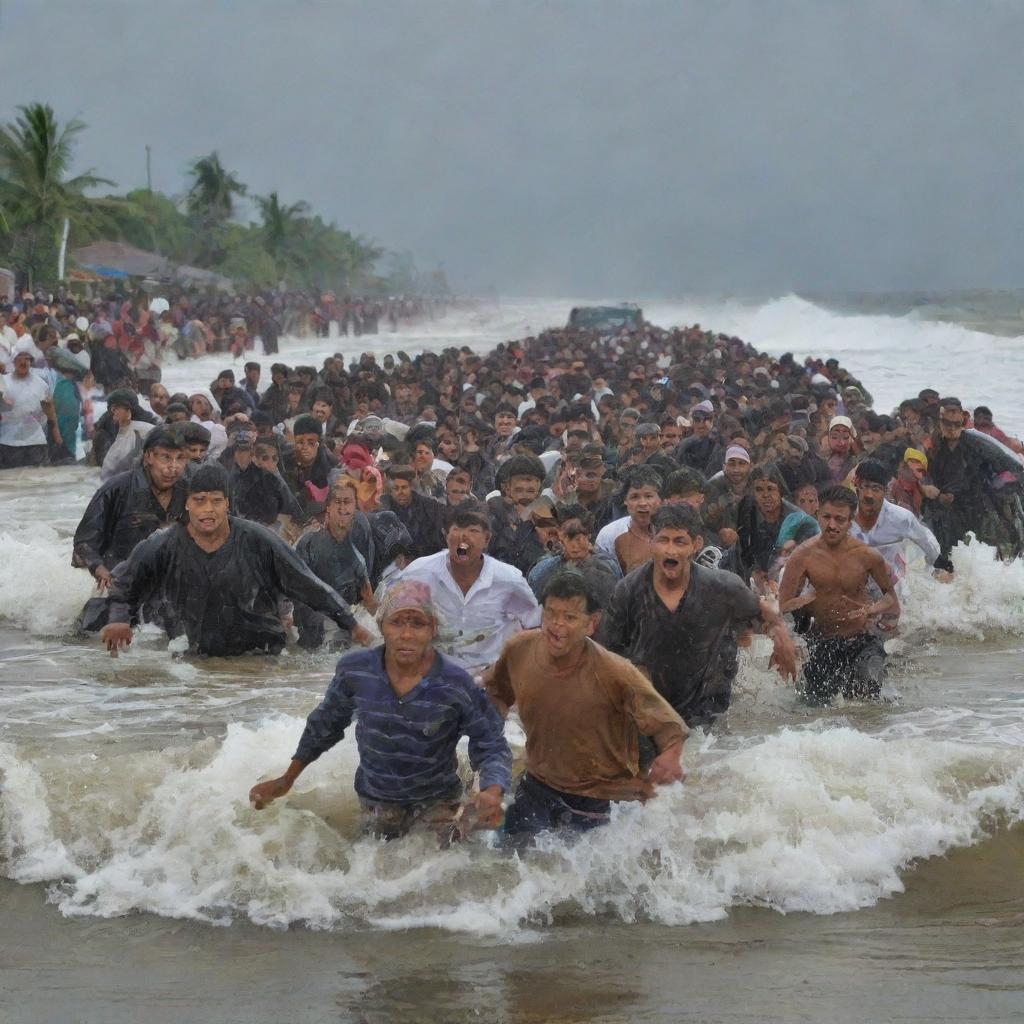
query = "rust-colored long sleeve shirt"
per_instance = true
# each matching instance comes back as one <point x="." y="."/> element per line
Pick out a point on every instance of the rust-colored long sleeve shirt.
<point x="582" y="724"/>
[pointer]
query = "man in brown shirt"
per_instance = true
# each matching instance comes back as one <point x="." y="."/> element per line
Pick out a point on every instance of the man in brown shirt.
<point x="583" y="710"/>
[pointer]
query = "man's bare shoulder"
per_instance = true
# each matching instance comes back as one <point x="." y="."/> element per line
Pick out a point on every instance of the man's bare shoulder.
<point x="804" y="550"/>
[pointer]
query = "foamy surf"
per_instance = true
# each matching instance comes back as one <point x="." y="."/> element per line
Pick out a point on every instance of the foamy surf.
<point x="819" y="819"/>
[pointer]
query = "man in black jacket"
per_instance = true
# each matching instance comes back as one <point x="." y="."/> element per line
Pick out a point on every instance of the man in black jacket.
<point x="275" y="398"/>
<point x="980" y="486"/>
<point x="703" y="450"/>
<point x="132" y="505"/>
<point x="423" y="517"/>
<point x="256" y="494"/>
<point x="221" y="580"/>
<point x="307" y="467"/>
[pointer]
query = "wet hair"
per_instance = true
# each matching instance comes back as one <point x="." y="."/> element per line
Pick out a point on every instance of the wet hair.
<point x="838" y="495"/>
<point x="271" y="441"/>
<point x="568" y="583"/>
<point x="163" y="437"/>
<point x="643" y="476"/>
<point x="872" y="471"/>
<point x="677" y="517"/>
<point x="468" y="513"/>
<point x="565" y="513"/>
<point x="125" y="398"/>
<point x="211" y="476"/>
<point x="307" y="425"/>
<point x="193" y="433"/>
<point x="768" y="471"/>
<point x="521" y="465"/>
<point x="252" y="366"/>
<point x="260" y="418"/>
<point x="682" y="482"/>
<point x="983" y="410"/>
<point x="421" y="435"/>
<point x="400" y="471"/>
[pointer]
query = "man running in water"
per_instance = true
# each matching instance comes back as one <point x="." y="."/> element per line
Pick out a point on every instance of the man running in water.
<point x="844" y="656"/>
<point x="680" y="622"/>
<point x="412" y="705"/>
<point x="584" y="711"/>
<point x="220" y="580"/>
<point x="884" y="526"/>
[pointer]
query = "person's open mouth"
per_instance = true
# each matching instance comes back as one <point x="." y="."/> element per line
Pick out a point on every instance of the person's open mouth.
<point x="670" y="563"/>
<point x="462" y="551"/>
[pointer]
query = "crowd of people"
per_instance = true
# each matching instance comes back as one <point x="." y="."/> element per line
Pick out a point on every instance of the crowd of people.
<point x="83" y="349"/>
<point x="586" y="529"/>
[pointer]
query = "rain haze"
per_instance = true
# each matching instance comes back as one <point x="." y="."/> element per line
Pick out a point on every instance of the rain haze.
<point x="575" y="148"/>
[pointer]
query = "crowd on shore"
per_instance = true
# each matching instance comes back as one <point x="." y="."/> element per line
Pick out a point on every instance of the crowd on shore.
<point x="646" y="498"/>
<point x="98" y="345"/>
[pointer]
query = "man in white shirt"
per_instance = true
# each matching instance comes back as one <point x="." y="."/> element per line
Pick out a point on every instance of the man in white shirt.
<point x="884" y="526"/>
<point x="25" y="407"/>
<point x="482" y="601"/>
<point x="8" y="339"/>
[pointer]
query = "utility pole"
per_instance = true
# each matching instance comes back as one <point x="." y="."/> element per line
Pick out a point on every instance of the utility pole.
<point x="149" y="172"/>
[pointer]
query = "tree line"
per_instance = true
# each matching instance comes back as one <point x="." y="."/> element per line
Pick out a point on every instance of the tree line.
<point x="289" y="246"/>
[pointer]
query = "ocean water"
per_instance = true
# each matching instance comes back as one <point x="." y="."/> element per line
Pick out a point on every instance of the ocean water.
<point x="124" y="782"/>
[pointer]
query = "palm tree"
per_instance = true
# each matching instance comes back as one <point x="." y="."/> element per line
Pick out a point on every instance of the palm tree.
<point x="35" y="192"/>
<point x="282" y="226"/>
<point x="210" y="203"/>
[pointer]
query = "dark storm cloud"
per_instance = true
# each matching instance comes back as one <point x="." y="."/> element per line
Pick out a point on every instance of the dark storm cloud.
<point x="626" y="148"/>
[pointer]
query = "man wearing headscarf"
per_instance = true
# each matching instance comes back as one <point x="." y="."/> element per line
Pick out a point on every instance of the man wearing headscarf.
<point x="412" y="705"/>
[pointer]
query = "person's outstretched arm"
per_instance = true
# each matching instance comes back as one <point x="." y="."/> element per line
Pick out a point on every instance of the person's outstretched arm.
<point x="325" y="727"/>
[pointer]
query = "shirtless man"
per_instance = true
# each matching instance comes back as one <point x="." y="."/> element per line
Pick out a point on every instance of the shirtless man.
<point x="844" y="656"/>
<point x="642" y="499"/>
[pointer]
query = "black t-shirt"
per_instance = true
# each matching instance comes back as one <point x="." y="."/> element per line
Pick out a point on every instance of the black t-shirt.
<point x="690" y="653"/>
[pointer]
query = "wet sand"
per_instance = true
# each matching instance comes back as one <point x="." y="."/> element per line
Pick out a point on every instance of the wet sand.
<point x="949" y="949"/>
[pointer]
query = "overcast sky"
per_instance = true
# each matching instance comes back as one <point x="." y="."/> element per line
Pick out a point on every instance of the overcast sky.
<point x="630" y="148"/>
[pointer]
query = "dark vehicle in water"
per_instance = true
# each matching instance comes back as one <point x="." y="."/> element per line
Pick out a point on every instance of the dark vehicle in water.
<point x="607" y="319"/>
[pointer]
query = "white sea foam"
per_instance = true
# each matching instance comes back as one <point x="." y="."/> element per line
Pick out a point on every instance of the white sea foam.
<point x="818" y="819"/>
<point x="894" y="356"/>
<point x="39" y="590"/>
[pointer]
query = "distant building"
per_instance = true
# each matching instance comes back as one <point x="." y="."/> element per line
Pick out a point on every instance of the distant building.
<point x="118" y="260"/>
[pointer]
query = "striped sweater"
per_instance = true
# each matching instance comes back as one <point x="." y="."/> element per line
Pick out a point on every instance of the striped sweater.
<point x="407" y="744"/>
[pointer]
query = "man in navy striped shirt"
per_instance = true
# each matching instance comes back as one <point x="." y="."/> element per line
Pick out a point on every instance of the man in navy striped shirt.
<point x="414" y="704"/>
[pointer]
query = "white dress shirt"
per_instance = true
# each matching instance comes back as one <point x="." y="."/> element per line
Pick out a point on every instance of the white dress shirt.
<point x="475" y="626"/>
<point x="893" y="528"/>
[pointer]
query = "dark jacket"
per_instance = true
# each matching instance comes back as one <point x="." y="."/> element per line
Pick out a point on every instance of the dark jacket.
<point x="122" y="512"/>
<point x="260" y="496"/>
<point x="226" y="603"/>
<point x="275" y="402"/>
<point x="424" y="519"/>
<point x="985" y="481"/>
<point x="704" y="454"/>
<point x="690" y="653"/>
<point x="318" y="475"/>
